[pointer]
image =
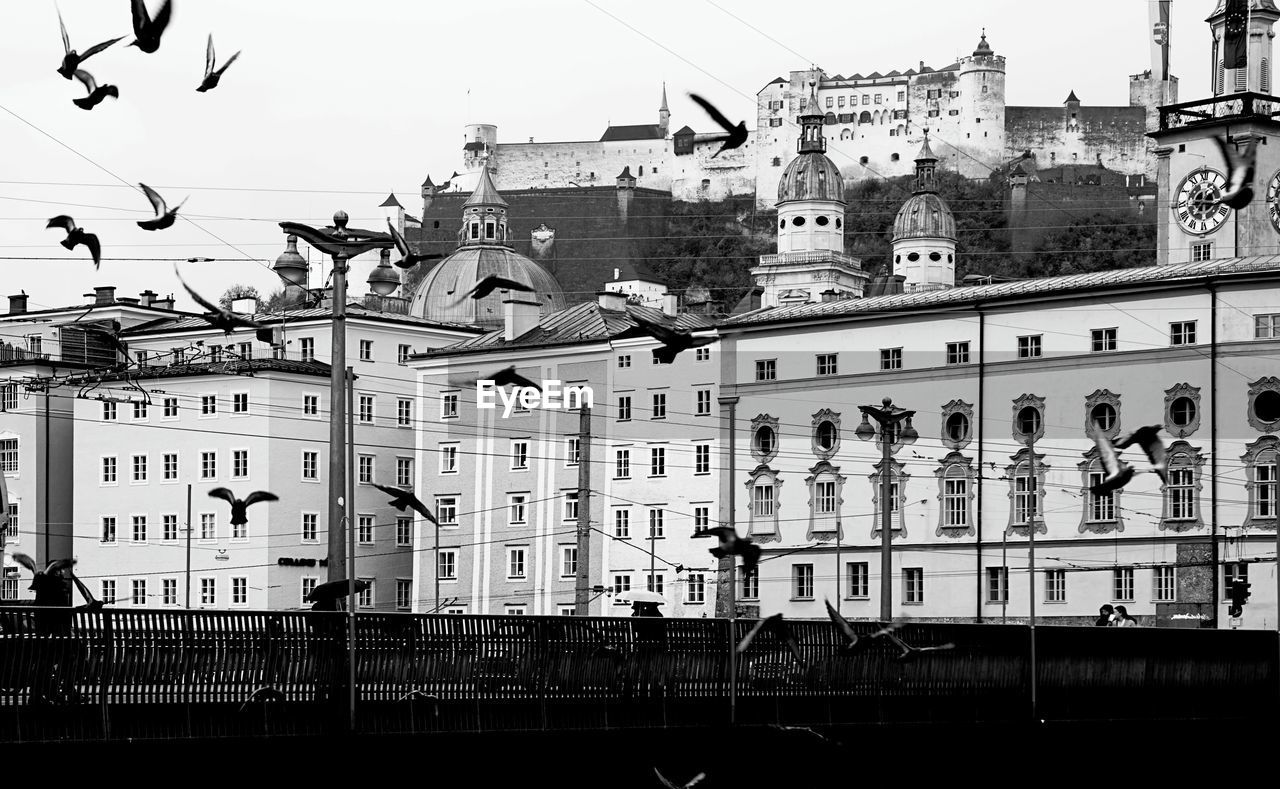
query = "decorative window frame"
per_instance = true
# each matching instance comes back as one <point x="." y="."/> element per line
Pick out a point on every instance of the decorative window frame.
<point x="1267" y="383"/>
<point x="1172" y="394"/>
<point x="1196" y="461"/>
<point x="825" y="415"/>
<point x="763" y="528"/>
<point x="1093" y="462"/>
<point x="959" y="407"/>
<point x="955" y="460"/>
<point x="764" y="420"/>
<point x="898" y="472"/>
<point x="824" y="527"/>
<point x="1091" y="401"/>
<point x="1020" y="403"/>
<point x="1250" y="461"/>
<point x="1042" y="470"/>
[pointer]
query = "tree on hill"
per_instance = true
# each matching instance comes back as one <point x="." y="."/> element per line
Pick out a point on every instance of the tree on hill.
<point x="1096" y="243"/>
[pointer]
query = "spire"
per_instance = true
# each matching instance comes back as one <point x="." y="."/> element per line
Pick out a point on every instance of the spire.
<point x="486" y="193"/>
<point x="664" y="114"/>
<point x="392" y="202"/>
<point x="663" y="108"/>
<point x="926" y="163"/>
<point x="983" y="49"/>
<point x="1071" y="97"/>
<point x="811" y="118"/>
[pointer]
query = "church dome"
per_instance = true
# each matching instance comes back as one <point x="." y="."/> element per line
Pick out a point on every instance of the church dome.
<point x="441" y="296"/>
<point x="811" y="176"/>
<point x="924" y="215"/>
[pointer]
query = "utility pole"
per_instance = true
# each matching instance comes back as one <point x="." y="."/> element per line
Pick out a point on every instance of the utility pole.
<point x="582" y="580"/>
<point x="1033" y="486"/>
<point x="188" y="546"/>
<point x="887" y="418"/>
<point x="351" y="553"/>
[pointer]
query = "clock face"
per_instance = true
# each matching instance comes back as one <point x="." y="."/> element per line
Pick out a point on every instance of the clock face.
<point x="1273" y="200"/>
<point x="1198" y="204"/>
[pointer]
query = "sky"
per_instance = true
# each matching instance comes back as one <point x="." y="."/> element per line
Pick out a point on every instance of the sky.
<point x="332" y="105"/>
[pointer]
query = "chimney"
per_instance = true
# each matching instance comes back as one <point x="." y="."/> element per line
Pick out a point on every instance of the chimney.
<point x="18" y="304"/>
<point x="829" y="295"/>
<point x="671" y="305"/>
<point x="518" y="317"/>
<point x="163" y="304"/>
<point x="614" y="302"/>
<point x="105" y="294"/>
<point x="245" y="306"/>
<point x="147" y="297"/>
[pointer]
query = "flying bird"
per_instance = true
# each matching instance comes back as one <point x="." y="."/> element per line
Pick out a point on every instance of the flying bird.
<point x="96" y="92"/>
<point x="493" y="282"/>
<point x="1118" y="472"/>
<point x="779" y="628"/>
<point x="49" y="583"/>
<point x="1240" y="166"/>
<point x="211" y="75"/>
<point x="72" y="60"/>
<point x="239" y="516"/>
<point x="508" y="376"/>
<point x="164" y="214"/>
<point x="853" y="641"/>
<point x="737" y="134"/>
<point x="76" y="236"/>
<point x="400" y="499"/>
<point x="1154" y="448"/>
<point x="733" y="545"/>
<point x="687" y="785"/>
<point x="673" y="340"/>
<point x="909" y="652"/>
<point x="216" y="316"/>
<point x="147" y="28"/>
<point x="408" y="258"/>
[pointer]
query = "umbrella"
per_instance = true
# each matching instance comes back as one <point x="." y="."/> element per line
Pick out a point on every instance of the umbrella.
<point x="640" y="596"/>
<point x="334" y="590"/>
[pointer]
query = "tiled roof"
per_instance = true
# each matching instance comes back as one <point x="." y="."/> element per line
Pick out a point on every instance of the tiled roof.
<point x="354" y="310"/>
<point x="642" y="131"/>
<point x="235" y="367"/>
<point x="1027" y="288"/>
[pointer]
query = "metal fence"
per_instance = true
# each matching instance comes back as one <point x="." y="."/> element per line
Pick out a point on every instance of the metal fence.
<point x="182" y="674"/>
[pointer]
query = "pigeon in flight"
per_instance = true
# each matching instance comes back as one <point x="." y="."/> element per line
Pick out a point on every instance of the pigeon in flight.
<point x="779" y="628"/>
<point x="666" y="782"/>
<point x="737" y="134"/>
<point x="216" y="316"/>
<point x="508" y="376"/>
<point x="164" y="215"/>
<point x="212" y="75"/>
<point x="147" y="28"/>
<point x="493" y="282"/>
<point x="733" y="545"/>
<point x="77" y="236"/>
<point x="408" y="258"/>
<point x="1240" y="166"/>
<point x="1118" y="472"/>
<point x="239" y="516"/>
<point x="673" y="340"/>
<point x="853" y="641"/>
<point x="1154" y="448"/>
<point x="400" y="499"/>
<point x="909" y="652"/>
<point x="96" y="92"/>
<point x="72" y="60"/>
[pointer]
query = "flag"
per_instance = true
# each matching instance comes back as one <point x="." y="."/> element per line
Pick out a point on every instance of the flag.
<point x="1235" y="39"/>
<point x="1160" y="37"/>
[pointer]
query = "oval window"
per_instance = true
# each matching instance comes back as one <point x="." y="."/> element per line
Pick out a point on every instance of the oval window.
<point x="1028" y="420"/>
<point x="782" y="223"/>
<point x="957" y="427"/>
<point x="1266" y="406"/>
<point x="1182" y="411"/>
<point x="935" y="256"/>
<point x="897" y="258"/>
<point x="1103" y="415"/>
<point x="822" y="221"/>
<point x="837" y="223"/>
<point x="913" y="257"/>
<point x="798" y="221"/>
<point x="766" y="440"/>
<point x="825" y="436"/>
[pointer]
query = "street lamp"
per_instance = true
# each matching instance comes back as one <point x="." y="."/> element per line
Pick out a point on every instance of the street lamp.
<point x="887" y="418"/>
<point x="341" y="244"/>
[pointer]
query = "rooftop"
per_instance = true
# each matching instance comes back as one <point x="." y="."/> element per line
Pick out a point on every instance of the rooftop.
<point x="642" y="131"/>
<point x="235" y="367"/>
<point x="354" y="310"/>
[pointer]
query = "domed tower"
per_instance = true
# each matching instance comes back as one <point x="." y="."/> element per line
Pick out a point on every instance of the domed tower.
<point x="924" y="232"/>
<point x="980" y="133"/>
<point x="811" y="256"/>
<point x="483" y="249"/>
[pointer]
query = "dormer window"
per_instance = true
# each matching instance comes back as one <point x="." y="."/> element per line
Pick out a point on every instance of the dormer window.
<point x="475" y="229"/>
<point x="488" y="230"/>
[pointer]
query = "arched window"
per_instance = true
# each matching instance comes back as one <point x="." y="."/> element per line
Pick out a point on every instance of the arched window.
<point x="826" y="487"/>
<point x="1181" y="510"/>
<point x="1026" y="493"/>
<point x="829" y="119"/>
<point x="898" y="479"/>
<point x="864" y="117"/>
<point x="955" y="493"/>
<point x="764" y="438"/>
<point x="902" y="130"/>
<point x="1260" y="481"/>
<point x="826" y="433"/>
<point x="763" y="488"/>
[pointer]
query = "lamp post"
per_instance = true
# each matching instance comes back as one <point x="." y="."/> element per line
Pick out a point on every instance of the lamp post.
<point x="887" y="418"/>
<point x="341" y="244"/>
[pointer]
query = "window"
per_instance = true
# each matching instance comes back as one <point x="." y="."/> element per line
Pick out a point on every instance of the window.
<point x="404" y="472"/>
<point x="169" y="465"/>
<point x="622" y="464"/>
<point x="171" y="408"/>
<point x="762" y="501"/>
<point x="403" y="352"/>
<point x="208" y="465"/>
<point x="208" y="526"/>
<point x="366" y="409"/>
<point x="404" y="532"/>
<point x="571" y="505"/>
<point x="404" y="412"/>
<point x="913" y="585"/>
<point x="657" y="461"/>
<point x="858" y="580"/>
<point x="702" y="459"/>
<point x="621" y="583"/>
<point x="1266" y="327"/>
<point x="239" y="402"/>
<point x="239" y="590"/>
<point x="139" y="464"/>
<point x="517" y="505"/>
<point x="831" y="101"/>
<point x="1162" y="584"/>
<point x="365" y="598"/>
<point x="701" y="518"/>
<point x="826" y="364"/>
<point x="802" y="581"/>
<point x="519" y="455"/>
<point x="1024" y="494"/>
<point x="109" y="470"/>
<point x="364" y="468"/>
<point x="168" y="591"/>
<point x="775" y="122"/>
<point x="109" y="411"/>
<point x="1181" y="492"/>
<point x="751" y="584"/>
<point x="657" y="523"/>
<point x="310" y="405"/>
<point x="107" y="591"/>
<point x="308" y="586"/>
<point x="404" y="594"/>
<point x="766" y="369"/>
<point x="139" y="412"/>
<point x="702" y="402"/>
<point x="307" y="349"/>
<point x="208" y="591"/>
<point x="215" y="354"/>
<point x="246" y="350"/>
<point x="624" y="360"/>
<point x="654" y="583"/>
<point x="169" y="528"/>
<point x="208" y="405"/>
<point x="310" y="465"/>
<point x="696" y="589"/>
<point x="9" y="455"/>
<point x="824" y="497"/>
<point x="1260" y="481"/>
<point x="573" y="451"/>
<point x="1102" y="507"/>
<point x="1122" y="584"/>
<point x="702" y="354"/>
<point x="622" y="523"/>
<point x="239" y="463"/>
<point x="568" y="561"/>
<point x="449" y="405"/>
<point x="447" y="565"/>
<point x="659" y="406"/>
<point x="890" y="358"/>
<point x="624" y="408"/>
<point x="448" y="458"/>
<point x="955" y="497"/>
<point x="179" y="355"/>
<point x="310" y="526"/>
<point x="1103" y="340"/>
<point x="515" y="563"/>
<point x="139" y="528"/>
<point x="1029" y="347"/>
<point x="1182" y="333"/>
<point x="108" y="533"/>
<point x="364" y="529"/>
<point x="1055" y="586"/>
<point x="1202" y="251"/>
<point x="997" y="584"/>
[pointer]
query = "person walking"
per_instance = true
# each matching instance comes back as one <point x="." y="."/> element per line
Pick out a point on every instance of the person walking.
<point x="1106" y="615"/>
<point x="1123" y="619"/>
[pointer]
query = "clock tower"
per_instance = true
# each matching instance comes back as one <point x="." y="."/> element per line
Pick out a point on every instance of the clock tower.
<point x="1194" y="224"/>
